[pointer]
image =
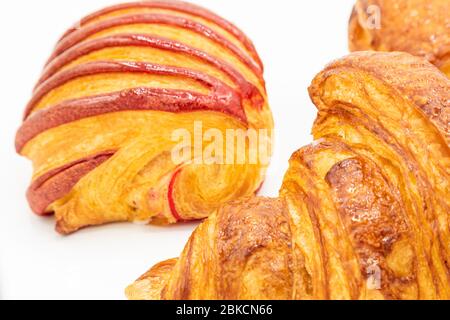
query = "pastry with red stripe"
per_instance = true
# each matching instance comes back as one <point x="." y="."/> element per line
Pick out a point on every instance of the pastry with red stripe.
<point x="100" y="125"/>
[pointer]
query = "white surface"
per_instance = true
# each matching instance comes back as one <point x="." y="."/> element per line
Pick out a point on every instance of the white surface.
<point x="295" y="40"/>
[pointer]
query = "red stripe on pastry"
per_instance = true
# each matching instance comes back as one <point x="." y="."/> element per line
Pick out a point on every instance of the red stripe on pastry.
<point x="222" y="98"/>
<point x="259" y="188"/>
<point x="136" y="99"/>
<point x="119" y="66"/>
<point x="56" y="183"/>
<point x="181" y="7"/>
<point x="173" y="208"/>
<point x="247" y="89"/>
<point x="84" y="33"/>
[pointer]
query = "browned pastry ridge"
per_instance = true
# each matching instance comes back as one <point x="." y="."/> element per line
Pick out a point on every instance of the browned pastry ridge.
<point x="419" y="27"/>
<point x="363" y="212"/>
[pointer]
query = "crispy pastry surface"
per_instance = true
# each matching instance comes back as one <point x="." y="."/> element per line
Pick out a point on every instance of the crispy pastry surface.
<point x="235" y="254"/>
<point x="419" y="27"/>
<point x="363" y="212"/>
<point x="100" y="125"/>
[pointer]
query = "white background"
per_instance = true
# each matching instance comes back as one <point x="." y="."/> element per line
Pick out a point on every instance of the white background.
<point x="295" y="40"/>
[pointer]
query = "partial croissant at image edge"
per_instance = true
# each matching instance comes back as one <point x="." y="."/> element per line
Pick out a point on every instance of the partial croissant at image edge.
<point x="422" y="28"/>
<point x="99" y="127"/>
<point x="363" y="212"/>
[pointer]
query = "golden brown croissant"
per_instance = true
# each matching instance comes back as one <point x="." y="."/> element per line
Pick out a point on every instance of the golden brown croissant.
<point x="99" y="127"/>
<point x="420" y="27"/>
<point x="363" y="212"/>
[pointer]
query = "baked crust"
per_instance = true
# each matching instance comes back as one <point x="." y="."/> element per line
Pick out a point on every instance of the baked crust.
<point x="242" y="252"/>
<point x="363" y="212"/>
<point x="121" y="84"/>
<point x="419" y="27"/>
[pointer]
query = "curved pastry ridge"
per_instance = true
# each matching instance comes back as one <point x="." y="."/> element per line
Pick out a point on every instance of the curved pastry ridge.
<point x="151" y="284"/>
<point x="199" y="33"/>
<point x="58" y="182"/>
<point x="162" y="84"/>
<point x="381" y="104"/>
<point x="228" y="253"/>
<point x="400" y="74"/>
<point x="136" y="47"/>
<point x="177" y="8"/>
<point x="363" y="212"/>
<point x="360" y="222"/>
<point x="169" y="74"/>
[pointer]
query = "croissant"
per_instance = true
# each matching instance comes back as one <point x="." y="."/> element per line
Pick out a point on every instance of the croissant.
<point x="419" y="27"/>
<point x="100" y="126"/>
<point x="363" y="212"/>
